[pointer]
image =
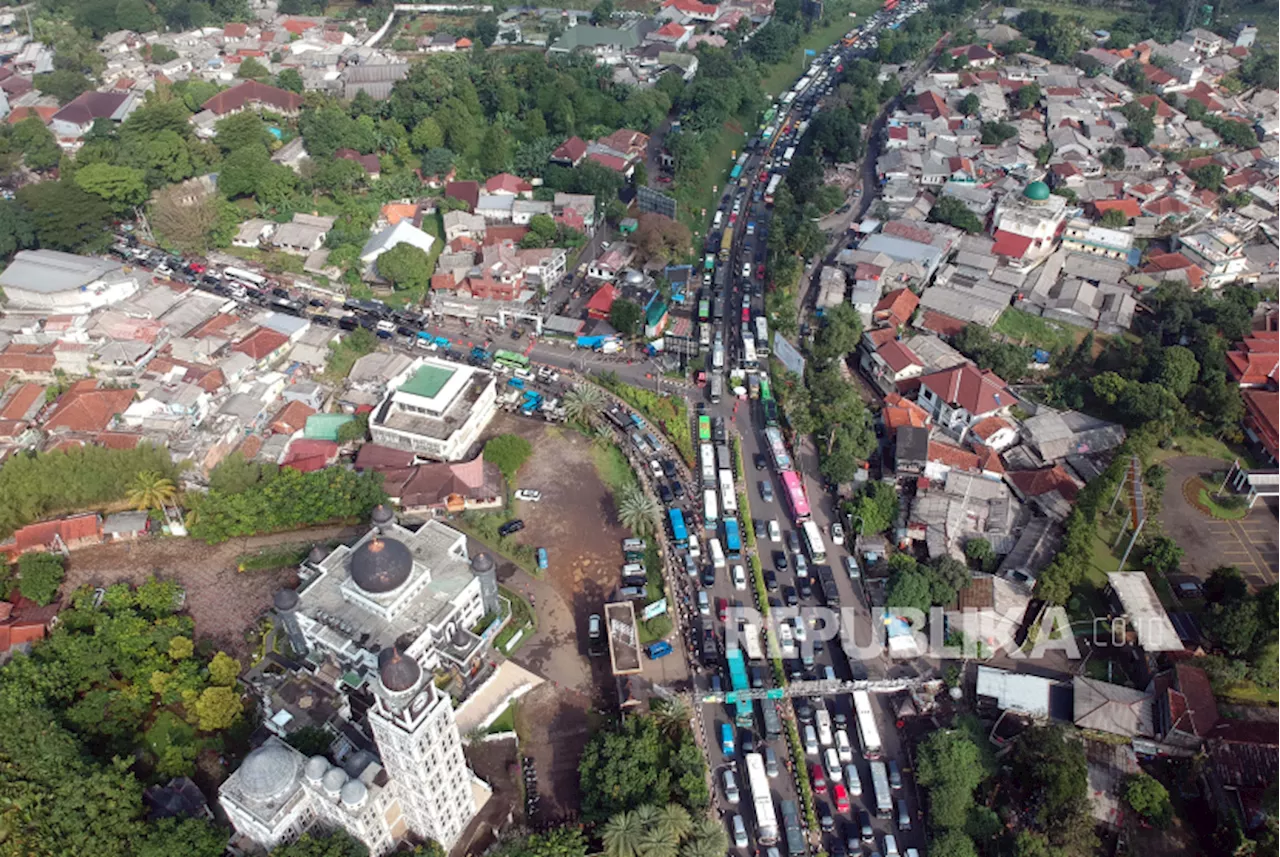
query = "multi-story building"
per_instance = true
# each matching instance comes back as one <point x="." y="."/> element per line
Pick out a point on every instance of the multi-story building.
<point x="1084" y="237"/>
<point x="1218" y="252"/>
<point x="435" y="408"/>
<point x="391" y="609"/>
<point x="1026" y="225"/>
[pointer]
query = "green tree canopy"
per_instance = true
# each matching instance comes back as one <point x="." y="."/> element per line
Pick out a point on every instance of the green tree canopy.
<point x="1149" y="798"/>
<point x="406" y="266"/>
<point x="65" y="216"/>
<point x="509" y="452"/>
<point x="120" y="187"/>
<point x="625" y="317"/>
<point x="39" y="576"/>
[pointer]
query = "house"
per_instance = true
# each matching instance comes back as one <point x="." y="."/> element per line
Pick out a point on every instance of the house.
<point x="896" y="308"/>
<point x="303" y="235"/>
<point x="1242" y="767"/>
<point x="995" y="433"/>
<point x="126" y="526"/>
<point x="433" y="488"/>
<point x="59" y="535"/>
<point x="86" y="408"/>
<point x="609" y="45"/>
<point x="263" y="346"/>
<point x="464" y="191"/>
<point x="911" y="449"/>
<point x="403" y="232"/>
<point x="957" y="398"/>
<point x="23" y="622"/>
<point x="689" y="10"/>
<point x="1185" y="708"/>
<point x="1253" y="362"/>
<point x="977" y="56"/>
<point x="891" y="364"/>
<point x="1050" y="489"/>
<point x="370" y="163"/>
<point x="601" y="302"/>
<point x="252" y="95"/>
<point x="506" y="183"/>
<point x="1218" y="252"/>
<point x="569" y="153"/>
<point x="292" y="418"/>
<point x="75" y="119"/>
<point x="253" y="232"/>
<point x="1099" y="706"/>
<point x="1262" y="421"/>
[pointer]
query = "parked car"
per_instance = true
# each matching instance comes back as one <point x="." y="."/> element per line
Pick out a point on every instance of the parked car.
<point x="541" y="554"/>
<point x="528" y="495"/>
<point x="818" y="780"/>
<point x="766" y="491"/>
<point x="511" y="527"/>
<point x="730" y="787"/>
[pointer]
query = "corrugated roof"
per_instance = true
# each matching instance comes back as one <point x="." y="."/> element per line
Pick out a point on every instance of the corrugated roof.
<point x="50" y="271"/>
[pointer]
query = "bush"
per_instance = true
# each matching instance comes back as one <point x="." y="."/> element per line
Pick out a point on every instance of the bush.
<point x="39" y="576"/>
<point x="1149" y="798"/>
<point x="289" y="499"/>
<point x="509" y="452"/>
<point x="669" y="413"/>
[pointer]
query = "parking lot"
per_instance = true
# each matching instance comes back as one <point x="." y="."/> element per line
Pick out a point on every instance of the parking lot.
<point x="1249" y="544"/>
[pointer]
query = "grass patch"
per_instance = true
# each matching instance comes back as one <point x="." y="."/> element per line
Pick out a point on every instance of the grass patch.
<point x="269" y="559"/>
<point x="1092" y="17"/>
<point x="698" y="198"/>
<point x="483" y="527"/>
<point x="613" y="468"/>
<point x="506" y="721"/>
<point x="1027" y="329"/>
<point x="1206" y="446"/>
<point x="1248" y="693"/>
<point x="838" y="22"/>
<point x="522" y="618"/>
<point x="1218" y="509"/>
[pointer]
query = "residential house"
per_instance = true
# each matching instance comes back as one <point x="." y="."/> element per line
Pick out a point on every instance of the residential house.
<point x="252" y="95"/>
<point x="75" y="119"/>
<point x="84" y="407"/>
<point x="1218" y="252"/>
<point x="60" y="535"/>
<point x="569" y="153"/>
<point x="1185" y="708"/>
<point x="1051" y="490"/>
<point x="896" y="308"/>
<point x="403" y="232"/>
<point x="303" y="235"/>
<point x="263" y="346"/>
<point x="369" y="163"/>
<point x="1253" y="362"/>
<point x="959" y="397"/>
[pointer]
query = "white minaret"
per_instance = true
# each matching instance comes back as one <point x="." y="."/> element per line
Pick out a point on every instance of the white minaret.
<point x="421" y="750"/>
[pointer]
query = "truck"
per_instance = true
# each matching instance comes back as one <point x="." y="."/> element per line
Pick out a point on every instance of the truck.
<point x="751" y="642"/>
<point x="827" y="580"/>
<point x="761" y="800"/>
<point x="726" y="245"/>
<point x="717" y="386"/>
<point x="791" y="828"/>
<point x="479" y="356"/>
<point x="717" y="357"/>
<point x="774" y="181"/>
<point x="724" y="459"/>
<point x="788" y="155"/>
<point x="884" y="798"/>
<point x="753" y="386"/>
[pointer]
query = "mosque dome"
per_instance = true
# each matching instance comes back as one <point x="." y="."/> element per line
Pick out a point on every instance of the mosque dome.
<point x="397" y="671"/>
<point x="1037" y="191"/>
<point x="268" y="771"/>
<point x="381" y="565"/>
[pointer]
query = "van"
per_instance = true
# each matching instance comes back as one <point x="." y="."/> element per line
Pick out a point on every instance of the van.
<point x="895" y="776"/>
<point x="730" y="787"/>
<point x="717" y="553"/>
<point x="810" y="741"/>
<point x="739" y="832"/>
<point x="823" y="722"/>
<point x="890" y="846"/>
<point x="904" y="817"/>
<point x="704" y="603"/>
<point x="852" y="780"/>
<point x="634" y="545"/>
<point x="695" y="550"/>
<point x="632" y="569"/>
<point x="657" y="650"/>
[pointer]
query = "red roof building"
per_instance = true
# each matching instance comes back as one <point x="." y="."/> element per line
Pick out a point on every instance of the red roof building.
<point x="1166" y="206"/>
<point x="964" y="388"/>
<point x="1128" y="207"/>
<point x="467" y="191"/>
<point x="601" y="302"/>
<point x="1165" y="264"/>
<point x="292" y="418"/>
<point x="308" y="456"/>
<point x="263" y="345"/>
<point x="932" y="104"/>
<point x="570" y="153"/>
<point x="1253" y="362"/>
<point x="85" y="408"/>
<point x="898" y="412"/>
<point x="940" y="323"/>
<point x="1046" y="480"/>
<point x="1010" y="244"/>
<point x="896" y="307"/>
<point x="23" y="621"/>
<point x="235" y="31"/>
<point x="1185" y="708"/>
<point x="952" y="457"/>
<point x="371" y="164"/>
<point x="1262" y="420"/>
<point x="509" y="184"/>
<point x="252" y="94"/>
<point x="70" y="532"/>
<point x="25" y="402"/>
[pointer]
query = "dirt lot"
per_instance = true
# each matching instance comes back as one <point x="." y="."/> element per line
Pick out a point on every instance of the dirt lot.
<point x="222" y="601"/>
<point x="496" y="763"/>
<point x="554" y="725"/>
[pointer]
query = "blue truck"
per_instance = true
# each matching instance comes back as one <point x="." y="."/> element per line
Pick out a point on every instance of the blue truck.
<point x="726" y="739"/>
<point x="732" y="539"/>
<point x="657" y="650"/>
<point x="518" y="383"/>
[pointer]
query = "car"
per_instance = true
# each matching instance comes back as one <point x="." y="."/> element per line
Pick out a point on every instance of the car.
<point x="746" y="314"/>
<point x="704" y="603"/>
<point x="789" y="596"/>
<point x="511" y="527"/>
<point x="659" y="649"/>
<point x="760" y="270"/>
<point x="833" y="765"/>
<point x="836" y="849"/>
<point x="851" y="567"/>
<point x="841" y="796"/>
<point x="800" y="633"/>
<point x="677" y="489"/>
<point x="895" y="775"/>
<point x="793" y="542"/>
<point x="802" y="566"/>
<point x="656" y="469"/>
<point x="852" y="841"/>
<point x="904" y="817"/>
<point x="837" y="533"/>
<point x="775" y="532"/>
<point x="766" y="491"/>
<point x="818" y="780"/>
<point x="739" y="832"/>
<point x="757" y="677"/>
<point x="668" y="468"/>
<point x="528" y="495"/>
<point x="664" y="493"/>
<point x="780" y="560"/>
<point x="748" y="741"/>
<point x="770" y="580"/>
<point x="864" y="825"/>
<point x="541" y="554"/>
<point x="730" y="787"/>
<point x="708" y="575"/>
<point x="843" y="747"/>
<point x="695" y="550"/>
<point x="759" y="461"/>
<point x="825" y="818"/>
<point x="852" y="780"/>
<point x="690" y="566"/>
<point x="746" y="270"/>
<point x="770" y="762"/>
<point x="739" y="577"/>
<point x="722" y="608"/>
<point x="805" y="587"/>
<point x="710" y="645"/>
<point x="810" y="740"/>
<point x="890" y="846"/>
<point x="751" y="227"/>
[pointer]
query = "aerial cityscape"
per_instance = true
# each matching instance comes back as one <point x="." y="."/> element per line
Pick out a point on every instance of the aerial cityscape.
<point x="662" y="428"/>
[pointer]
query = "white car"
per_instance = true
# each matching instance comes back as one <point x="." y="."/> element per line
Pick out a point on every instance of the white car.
<point x="746" y="270"/>
<point x="837" y="534"/>
<point x="695" y="550"/>
<point x="843" y="747"/>
<point x="739" y="832"/>
<point x="739" y="577"/>
<point x="800" y="632"/>
<point x="730" y="787"/>
<point x="853" y="782"/>
<point x="655" y="468"/>
<point x="810" y="741"/>
<point x="890" y="846"/>
<point x="528" y="495"/>
<point x="775" y="532"/>
<point x="833" y="766"/>
<point x="704" y="603"/>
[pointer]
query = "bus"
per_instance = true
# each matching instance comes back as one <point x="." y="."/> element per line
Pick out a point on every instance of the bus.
<point x="732" y="539"/>
<point x="762" y="336"/>
<point x="765" y="391"/>
<point x="704" y="310"/>
<point x="707" y="456"/>
<point x="749" y="360"/>
<point x="704" y="334"/>
<point x="774" y="181"/>
<point x="717" y="388"/>
<point x="777" y="447"/>
<point x="726" y="245"/>
<point x="761" y="800"/>
<point x="750" y="637"/>
<point x="678" y="530"/>
<point x="704" y="428"/>
<point x="728" y="496"/>
<point x="735" y="173"/>
<point x="880" y="782"/>
<point x="244" y="276"/>
<point x="710" y="509"/>
<point x="510" y="359"/>
<point x="813" y="541"/>
<point x="744" y="716"/>
<point x="797" y="502"/>
<point x="788" y="155"/>
<point x="868" y="734"/>
<point x="717" y="356"/>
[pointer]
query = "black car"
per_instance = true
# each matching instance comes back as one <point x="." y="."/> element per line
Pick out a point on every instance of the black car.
<point x="748" y="741"/>
<point x="806" y="589"/>
<point x="757" y="679"/>
<point x="349" y="322"/>
<point x="770" y="580"/>
<point x="709" y="643"/>
<point x="511" y="527"/>
<point x="316" y="302"/>
<point x="708" y="575"/>
<point x="804" y="711"/>
<point x="664" y="493"/>
<point x="668" y="468"/>
<point x="322" y="320"/>
<point x="780" y="561"/>
<point x="795" y="669"/>
<point x="825" y="818"/>
<point x="864" y="826"/>
<point x="678" y="490"/>
<point x="837" y="849"/>
<point x="759" y="461"/>
<point x="789" y="595"/>
<point x="280" y="292"/>
<point x="406" y="332"/>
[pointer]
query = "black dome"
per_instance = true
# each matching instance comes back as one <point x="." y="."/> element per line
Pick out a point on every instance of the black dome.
<point x="317" y="555"/>
<point x="398" y="671"/>
<point x="381" y="565"/>
<point x="285" y="600"/>
<point x="482" y="563"/>
<point x="382" y="514"/>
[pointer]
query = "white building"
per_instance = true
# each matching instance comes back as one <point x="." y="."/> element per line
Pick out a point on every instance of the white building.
<point x="1219" y="252"/>
<point x="435" y="408"/>
<point x="1026" y="225"/>
<point x="390" y="609"/>
<point x="53" y="281"/>
<point x="403" y="232"/>
<point x="1085" y="237"/>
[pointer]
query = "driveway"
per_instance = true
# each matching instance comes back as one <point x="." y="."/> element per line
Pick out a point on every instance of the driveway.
<point x="1249" y="544"/>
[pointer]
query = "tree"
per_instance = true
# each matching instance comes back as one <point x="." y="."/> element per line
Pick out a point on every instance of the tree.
<point x="329" y="843"/>
<point x="1163" y="555"/>
<point x="63" y="84"/>
<point x="1225" y="584"/>
<point x="1234" y="625"/>
<point x="1028" y="96"/>
<point x="1051" y="770"/>
<point x="949" y="765"/>
<point x="602" y="12"/>
<point x="240" y="130"/>
<point x="980" y="553"/>
<point x="622" y="834"/>
<point x="217" y="708"/>
<point x="509" y="452"/>
<point x="181" y="648"/>
<point x="1178" y="370"/>
<point x="224" y="670"/>
<point x="426" y="135"/>
<point x="151" y="490"/>
<point x="188" y="224"/>
<point x="909" y="589"/>
<point x="39" y="148"/>
<point x="288" y="500"/>
<point x="970" y="104"/>
<point x="1115" y="219"/>
<point x="637" y="510"/>
<point x="66" y="217"/>
<point x="16" y="230"/>
<point x="1209" y="176"/>
<point x="1112" y="158"/>
<point x="290" y="79"/>
<point x="341" y="175"/>
<point x="39" y="576"/>
<point x="161" y="53"/>
<point x="627" y="766"/>
<point x="954" y="843"/>
<point x="354" y="431"/>
<point x="1149" y="798"/>
<point x="584" y="403"/>
<point x="625" y="317"/>
<point x="994" y="133"/>
<point x="486" y="29"/>
<point x="251" y="69"/>
<point x="952" y="211"/>
<point x="406" y="266"/>
<point x="121" y="187"/>
<point x="874" y="509"/>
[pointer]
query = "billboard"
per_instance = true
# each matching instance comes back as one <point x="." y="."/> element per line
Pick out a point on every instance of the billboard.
<point x="651" y="201"/>
<point x="787" y="354"/>
<point x="657" y="608"/>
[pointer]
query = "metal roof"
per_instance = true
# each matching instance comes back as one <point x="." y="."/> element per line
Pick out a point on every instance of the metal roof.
<point x="1027" y="694"/>
<point x="1144" y="611"/>
<point x="50" y="271"/>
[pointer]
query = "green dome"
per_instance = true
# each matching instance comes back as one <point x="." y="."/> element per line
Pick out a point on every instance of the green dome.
<point x="1039" y="191"/>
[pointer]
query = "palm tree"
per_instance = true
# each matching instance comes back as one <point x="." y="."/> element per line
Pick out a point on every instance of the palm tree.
<point x="637" y="510"/>
<point x="654" y="842"/>
<point x="604" y="436"/>
<point x="707" y="839"/>
<point x="151" y="490"/>
<point x="672" y="714"/>
<point x="673" y="819"/>
<point x="621" y="835"/>
<point x="584" y="403"/>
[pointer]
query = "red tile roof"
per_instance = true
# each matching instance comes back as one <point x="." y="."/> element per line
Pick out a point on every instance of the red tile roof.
<point x="23" y="621"/>
<point x="507" y="183"/>
<point x="898" y="356"/>
<point x="988" y="459"/>
<point x="1010" y="245"/>
<point x="261" y="343"/>
<point x="1166" y="206"/>
<point x="602" y="301"/>
<point x="929" y="102"/>
<point x="252" y="92"/>
<point x="1262" y="416"/>
<point x="88" y="410"/>
<point x="465" y="191"/>
<point x="292" y="418"/>
<point x="44" y="534"/>
<point x="1034" y="483"/>
<point x="20" y="403"/>
<point x="670" y="30"/>
<point x="310" y="455"/>
<point x="1252" y="363"/>
<point x="940" y="323"/>
<point x="371" y="164"/>
<point x="235" y="31"/>
<point x="298" y="26"/>
<point x="88" y="106"/>
<point x="952" y="456"/>
<point x="898" y="412"/>
<point x="968" y="387"/>
<point x="988" y="427"/>
<point x="1198" y="708"/>
<point x="897" y="306"/>
<point x="1128" y="207"/>
<point x="613" y="162"/>
<point x="43" y="113"/>
<point x="571" y="150"/>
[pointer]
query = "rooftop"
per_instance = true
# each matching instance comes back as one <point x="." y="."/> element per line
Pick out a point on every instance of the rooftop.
<point x="1146" y="615"/>
<point x="428" y="381"/>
